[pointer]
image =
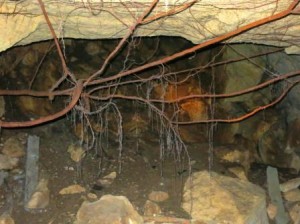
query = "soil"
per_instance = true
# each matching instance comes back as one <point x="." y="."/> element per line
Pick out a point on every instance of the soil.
<point x="140" y="173"/>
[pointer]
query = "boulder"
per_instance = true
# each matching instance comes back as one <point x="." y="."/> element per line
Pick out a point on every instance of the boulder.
<point x="212" y="198"/>
<point x="108" y="209"/>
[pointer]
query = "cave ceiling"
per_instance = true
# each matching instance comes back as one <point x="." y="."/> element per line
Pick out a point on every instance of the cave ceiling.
<point x="197" y="21"/>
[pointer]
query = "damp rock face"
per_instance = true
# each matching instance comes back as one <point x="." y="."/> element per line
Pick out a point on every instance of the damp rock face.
<point x="213" y="198"/>
<point x="108" y="210"/>
<point x="252" y="74"/>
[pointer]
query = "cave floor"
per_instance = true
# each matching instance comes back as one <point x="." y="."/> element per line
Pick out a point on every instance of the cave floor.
<point x="141" y="172"/>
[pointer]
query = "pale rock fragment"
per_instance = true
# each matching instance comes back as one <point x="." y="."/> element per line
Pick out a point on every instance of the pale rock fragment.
<point x="13" y="147"/>
<point x="239" y="172"/>
<point x="151" y="208"/>
<point x="6" y="219"/>
<point x="290" y="185"/>
<point x="294" y="213"/>
<point x="77" y="153"/>
<point x="107" y="180"/>
<point x="158" y="196"/>
<point x="108" y="209"/>
<point x="72" y="189"/>
<point x="41" y="197"/>
<point x="8" y="163"/>
<point x="292" y="195"/>
<point x="272" y="211"/>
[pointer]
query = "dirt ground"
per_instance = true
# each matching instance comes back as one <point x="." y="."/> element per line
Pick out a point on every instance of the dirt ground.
<point x="141" y="172"/>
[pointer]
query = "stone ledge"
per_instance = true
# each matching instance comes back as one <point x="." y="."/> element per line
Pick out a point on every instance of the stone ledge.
<point x="24" y="23"/>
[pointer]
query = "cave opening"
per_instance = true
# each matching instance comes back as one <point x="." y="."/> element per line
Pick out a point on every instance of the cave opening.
<point x="142" y="126"/>
<point x="229" y="109"/>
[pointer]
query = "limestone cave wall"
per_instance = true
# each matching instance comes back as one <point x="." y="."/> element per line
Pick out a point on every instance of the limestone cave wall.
<point x="22" y="22"/>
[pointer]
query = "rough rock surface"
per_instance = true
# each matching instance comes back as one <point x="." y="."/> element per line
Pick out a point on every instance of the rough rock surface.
<point x="8" y="163"/>
<point x="158" y="196"/>
<point x="108" y="210"/>
<point x="24" y="23"/>
<point x="212" y="198"/>
<point x="251" y="72"/>
<point x="13" y="147"/>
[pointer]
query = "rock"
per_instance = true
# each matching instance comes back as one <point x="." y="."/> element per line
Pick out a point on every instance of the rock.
<point x="272" y="211"/>
<point x="151" y="209"/>
<point x="292" y="195"/>
<point x="262" y="127"/>
<point x="218" y="17"/>
<point x="282" y="63"/>
<point x="231" y="75"/>
<point x="239" y="172"/>
<point x="191" y="109"/>
<point x="92" y="196"/>
<point x="292" y="141"/>
<point x="77" y="153"/>
<point x="8" y="163"/>
<point x="272" y="147"/>
<point x="294" y="213"/>
<point x="108" y="209"/>
<point x="13" y="147"/>
<point x="72" y="189"/>
<point x="195" y="109"/>
<point x="40" y="198"/>
<point x="235" y="154"/>
<point x="295" y="162"/>
<point x="290" y="185"/>
<point x="213" y="198"/>
<point x="107" y="180"/>
<point x="158" y="196"/>
<point x="6" y="219"/>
